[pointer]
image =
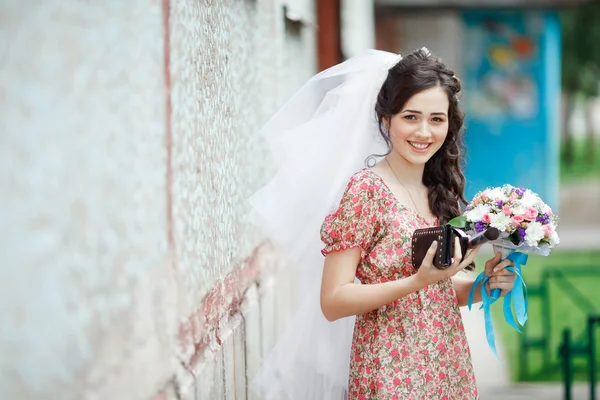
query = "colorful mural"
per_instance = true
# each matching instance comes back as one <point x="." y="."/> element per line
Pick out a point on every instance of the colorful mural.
<point x="511" y="77"/>
<point x="502" y="59"/>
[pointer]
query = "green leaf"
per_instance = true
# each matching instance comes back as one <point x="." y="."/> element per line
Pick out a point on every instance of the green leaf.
<point x="514" y="238"/>
<point x="459" y="222"/>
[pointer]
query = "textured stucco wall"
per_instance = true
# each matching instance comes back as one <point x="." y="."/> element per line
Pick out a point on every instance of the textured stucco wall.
<point x="84" y="278"/>
<point x="250" y="62"/>
<point x="127" y="270"/>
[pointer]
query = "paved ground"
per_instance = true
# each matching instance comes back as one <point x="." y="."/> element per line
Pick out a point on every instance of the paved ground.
<point x="579" y="228"/>
<point x="537" y="391"/>
<point x="580" y="204"/>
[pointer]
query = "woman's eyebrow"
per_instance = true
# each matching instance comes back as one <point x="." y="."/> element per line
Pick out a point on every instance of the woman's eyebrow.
<point x="419" y="112"/>
<point x="412" y="111"/>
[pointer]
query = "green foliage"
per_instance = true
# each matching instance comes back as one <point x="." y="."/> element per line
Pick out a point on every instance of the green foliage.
<point x="459" y="222"/>
<point x="580" y="49"/>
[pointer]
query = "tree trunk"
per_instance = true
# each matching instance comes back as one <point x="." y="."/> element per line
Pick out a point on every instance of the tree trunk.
<point x="589" y="125"/>
<point x="566" y="136"/>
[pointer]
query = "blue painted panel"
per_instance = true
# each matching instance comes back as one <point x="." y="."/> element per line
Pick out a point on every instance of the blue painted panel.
<point x="511" y="80"/>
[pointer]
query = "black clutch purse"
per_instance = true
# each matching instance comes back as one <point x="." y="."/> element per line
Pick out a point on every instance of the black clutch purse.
<point x="445" y="235"/>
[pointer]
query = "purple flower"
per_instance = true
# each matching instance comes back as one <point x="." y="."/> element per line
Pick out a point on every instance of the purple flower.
<point x="500" y="204"/>
<point x="543" y="218"/>
<point x="480" y="226"/>
<point x="521" y="234"/>
<point x="520" y="191"/>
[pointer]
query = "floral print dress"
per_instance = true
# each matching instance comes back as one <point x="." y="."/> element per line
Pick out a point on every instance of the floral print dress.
<point x="414" y="348"/>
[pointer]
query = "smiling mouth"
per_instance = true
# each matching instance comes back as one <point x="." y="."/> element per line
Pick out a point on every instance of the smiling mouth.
<point x="420" y="146"/>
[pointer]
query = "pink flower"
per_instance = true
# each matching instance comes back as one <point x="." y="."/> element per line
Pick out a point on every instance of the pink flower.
<point x="530" y="214"/>
<point x="548" y="230"/>
<point x="517" y="220"/>
<point x="485" y="194"/>
<point x="506" y="209"/>
<point x="513" y="196"/>
<point x="486" y="218"/>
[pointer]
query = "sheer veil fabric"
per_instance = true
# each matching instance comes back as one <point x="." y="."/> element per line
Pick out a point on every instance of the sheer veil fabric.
<point x="319" y="139"/>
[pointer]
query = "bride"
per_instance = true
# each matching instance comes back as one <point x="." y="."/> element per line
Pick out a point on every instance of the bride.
<point x="367" y="152"/>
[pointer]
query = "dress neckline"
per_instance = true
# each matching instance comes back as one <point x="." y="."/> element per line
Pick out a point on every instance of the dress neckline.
<point x="396" y="201"/>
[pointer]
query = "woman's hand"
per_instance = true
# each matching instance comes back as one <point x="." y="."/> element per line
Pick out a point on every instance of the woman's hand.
<point x="500" y="277"/>
<point x="428" y="274"/>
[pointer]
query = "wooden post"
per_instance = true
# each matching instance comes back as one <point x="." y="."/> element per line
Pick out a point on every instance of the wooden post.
<point x="329" y="41"/>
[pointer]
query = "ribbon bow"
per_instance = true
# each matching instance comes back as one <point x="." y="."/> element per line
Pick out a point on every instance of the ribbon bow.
<point x="517" y="297"/>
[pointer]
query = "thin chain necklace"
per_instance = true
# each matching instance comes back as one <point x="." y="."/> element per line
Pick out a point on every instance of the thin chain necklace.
<point x="409" y="194"/>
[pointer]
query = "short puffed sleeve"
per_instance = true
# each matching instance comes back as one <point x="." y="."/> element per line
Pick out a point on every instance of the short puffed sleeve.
<point x="356" y="221"/>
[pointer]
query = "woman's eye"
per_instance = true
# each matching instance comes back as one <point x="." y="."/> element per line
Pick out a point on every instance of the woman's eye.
<point x="438" y="119"/>
<point x="410" y="117"/>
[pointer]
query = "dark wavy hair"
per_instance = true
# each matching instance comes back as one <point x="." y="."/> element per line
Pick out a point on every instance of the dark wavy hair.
<point x="443" y="174"/>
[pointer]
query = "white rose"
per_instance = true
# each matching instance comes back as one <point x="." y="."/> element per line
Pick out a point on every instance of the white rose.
<point x="518" y="209"/>
<point x="534" y="233"/>
<point x="497" y="194"/>
<point x="476" y="214"/>
<point x="529" y="199"/>
<point x="499" y="221"/>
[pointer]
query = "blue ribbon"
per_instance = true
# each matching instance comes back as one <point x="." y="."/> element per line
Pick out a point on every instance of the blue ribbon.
<point x="517" y="297"/>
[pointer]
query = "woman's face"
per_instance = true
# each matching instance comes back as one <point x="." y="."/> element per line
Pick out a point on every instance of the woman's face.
<point x="418" y="131"/>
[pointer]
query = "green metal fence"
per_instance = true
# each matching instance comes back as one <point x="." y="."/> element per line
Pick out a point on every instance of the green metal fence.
<point x="562" y="285"/>
<point x="570" y="349"/>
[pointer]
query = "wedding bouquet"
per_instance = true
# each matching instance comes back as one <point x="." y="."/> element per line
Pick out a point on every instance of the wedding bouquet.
<point x="525" y="222"/>
<point x="526" y="225"/>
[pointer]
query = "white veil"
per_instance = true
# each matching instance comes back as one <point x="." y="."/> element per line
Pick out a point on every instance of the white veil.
<point x="320" y="138"/>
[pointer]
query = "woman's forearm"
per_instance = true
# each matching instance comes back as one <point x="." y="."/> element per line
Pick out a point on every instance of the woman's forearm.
<point x="353" y="299"/>
<point x="462" y="287"/>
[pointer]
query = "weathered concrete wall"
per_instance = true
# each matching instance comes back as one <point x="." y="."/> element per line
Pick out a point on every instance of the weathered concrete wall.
<point x="251" y="61"/>
<point x="127" y="270"/>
